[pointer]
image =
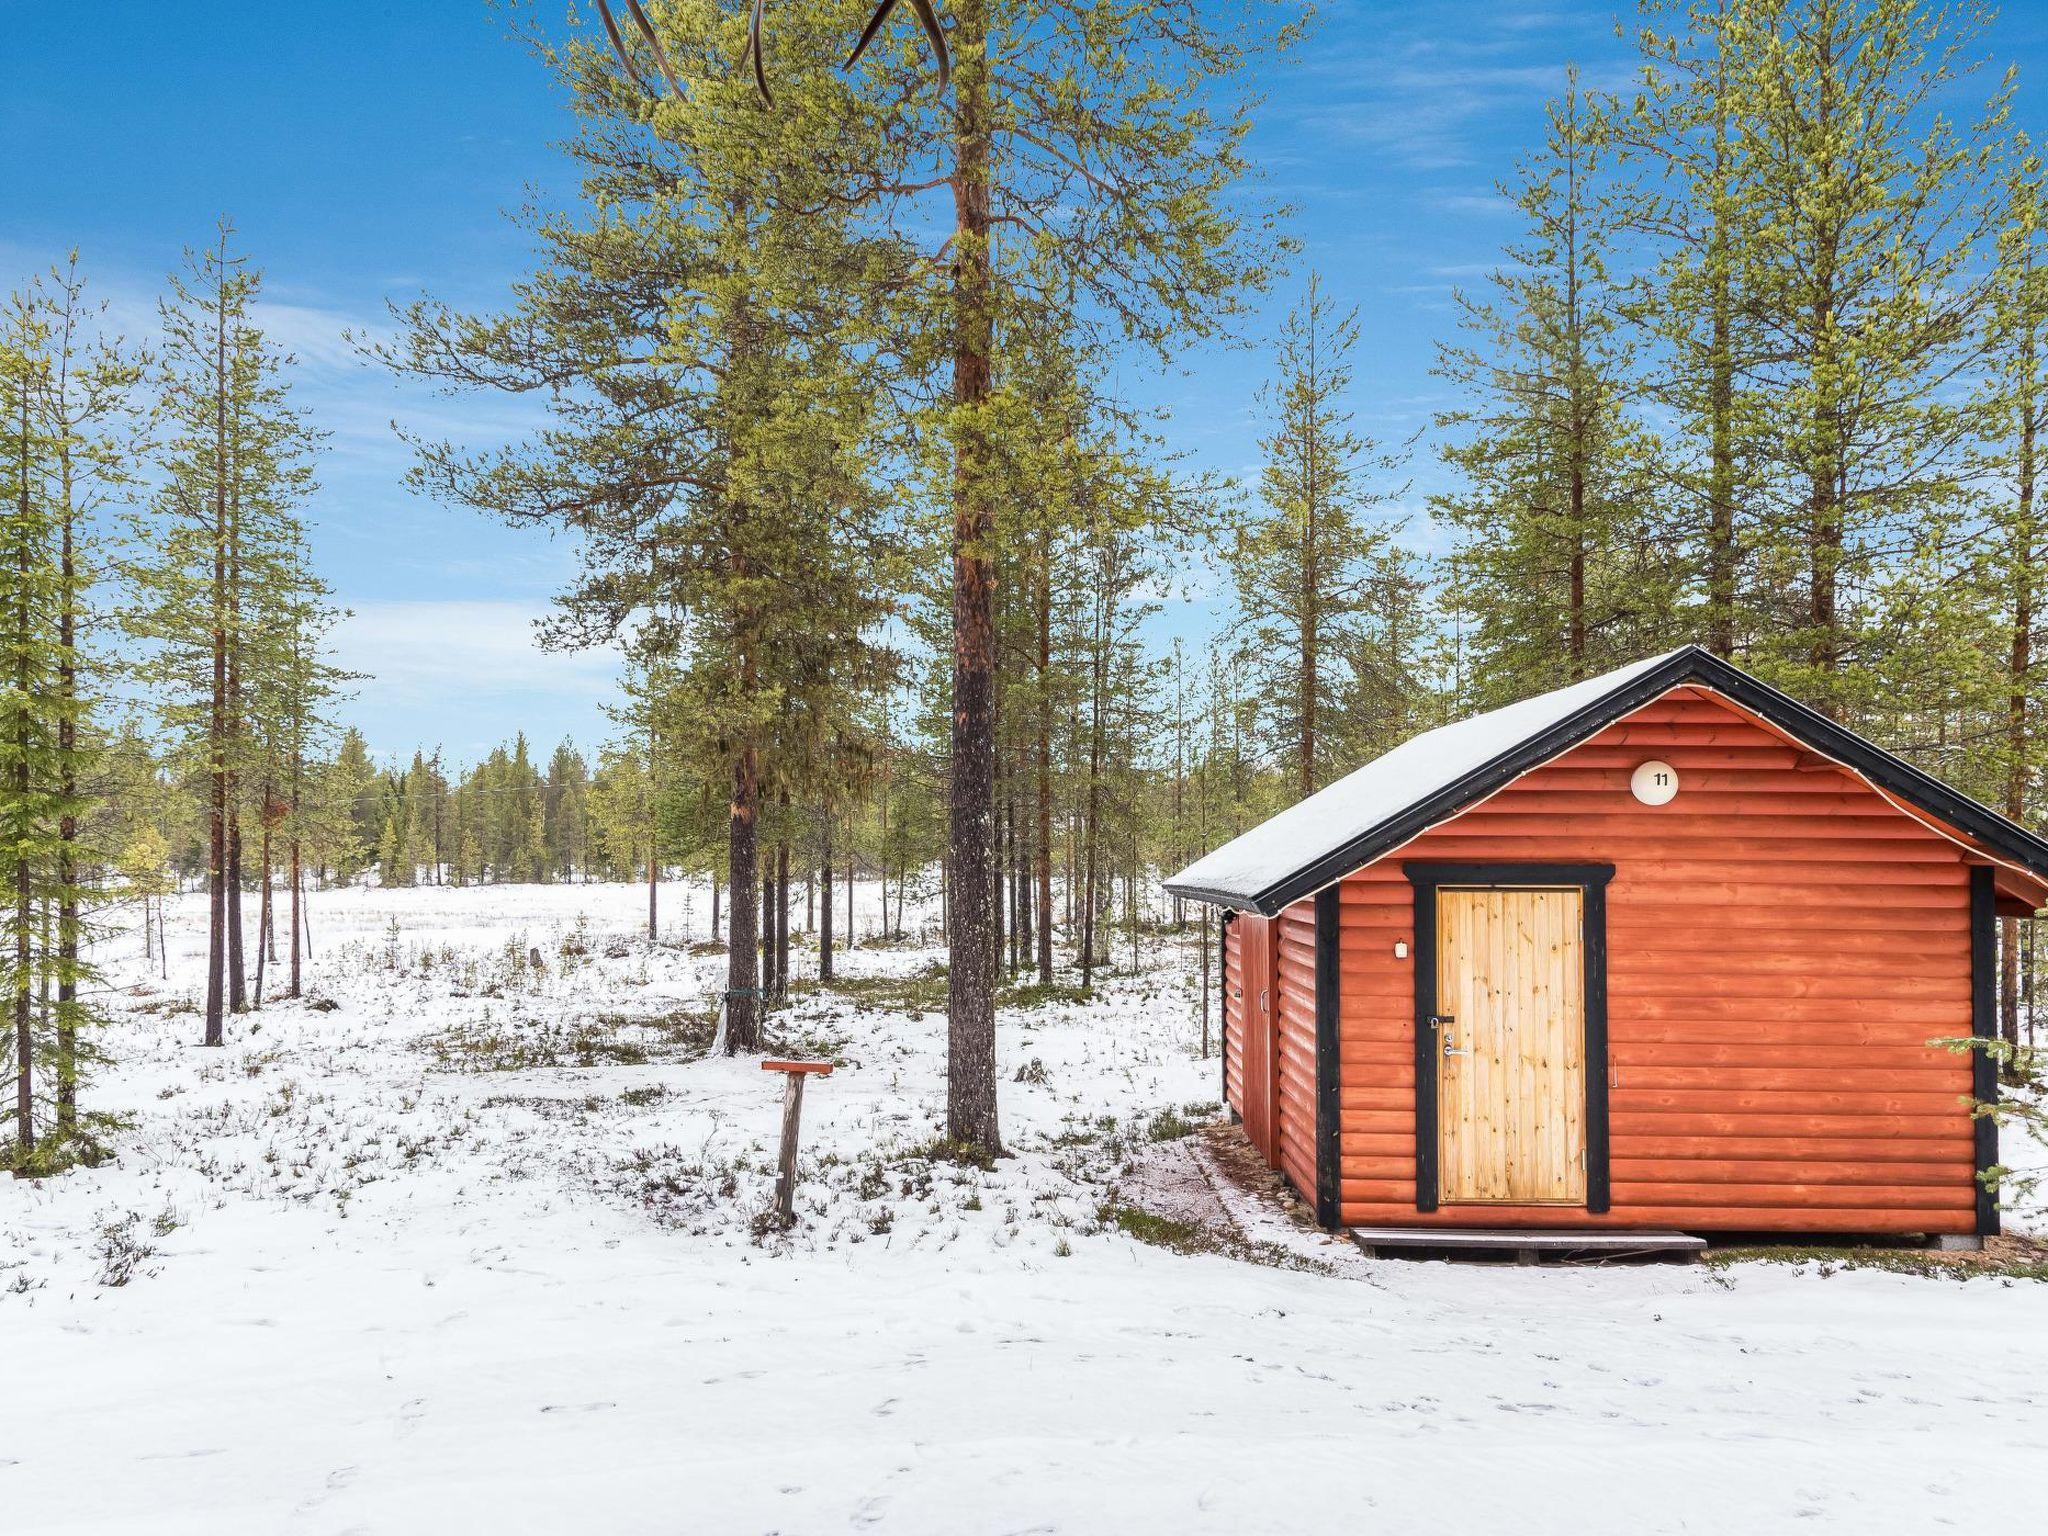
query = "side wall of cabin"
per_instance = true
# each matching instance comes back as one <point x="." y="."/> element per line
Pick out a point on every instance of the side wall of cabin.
<point x="1290" y="1046"/>
<point x="1294" y="1024"/>
<point x="1782" y="944"/>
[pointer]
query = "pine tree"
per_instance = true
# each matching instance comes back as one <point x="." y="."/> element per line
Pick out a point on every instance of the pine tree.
<point x="712" y="457"/>
<point x="1094" y="130"/>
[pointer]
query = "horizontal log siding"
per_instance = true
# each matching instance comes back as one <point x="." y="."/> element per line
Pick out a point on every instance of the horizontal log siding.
<point x="1296" y="1023"/>
<point x="1782" y="944"/>
<point x="1233" y="1018"/>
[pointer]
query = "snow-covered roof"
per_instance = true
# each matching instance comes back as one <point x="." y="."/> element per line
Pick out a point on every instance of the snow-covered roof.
<point x="1431" y="777"/>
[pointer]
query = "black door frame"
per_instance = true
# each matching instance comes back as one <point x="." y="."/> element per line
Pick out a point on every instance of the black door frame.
<point x="1591" y="879"/>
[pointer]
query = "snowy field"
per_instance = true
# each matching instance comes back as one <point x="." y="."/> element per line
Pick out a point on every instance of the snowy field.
<point x="477" y="1249"/>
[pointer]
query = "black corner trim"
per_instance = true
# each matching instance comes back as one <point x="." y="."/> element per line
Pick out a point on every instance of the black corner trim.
<point x="1329" y="1096"/>
<point x="1984" y="1025"/>
<point x="1691" y="665"/>
<point x="1428" y="878"/>
<point x="1598" y="1186"/>
<point x="1223" y="1008"/>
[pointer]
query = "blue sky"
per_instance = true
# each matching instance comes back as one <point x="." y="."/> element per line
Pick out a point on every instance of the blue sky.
<point x="366" y="152"/>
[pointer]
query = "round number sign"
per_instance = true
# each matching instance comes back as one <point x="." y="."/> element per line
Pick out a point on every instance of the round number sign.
<point x="1654" y="783"/>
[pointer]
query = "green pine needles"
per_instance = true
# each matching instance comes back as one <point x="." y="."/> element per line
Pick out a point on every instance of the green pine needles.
<point x="63" y="396"/>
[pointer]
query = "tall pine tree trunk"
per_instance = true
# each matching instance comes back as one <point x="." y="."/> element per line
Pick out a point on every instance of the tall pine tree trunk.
<point x="67" y="826"/>
<point x="238" y="999"/>
<point x="216" y="833"/>
<point x="238" y="986"/>
<point x="2019" y="666"/>
<point x="825" y="902"/>
<point x="742" y="988"/>
<point x="1044" y="766"/>
<point x="654" y="890"/>
<point x="265" y="942"/>
<point x="24" y="890"/>
<point x="217" y="704"/>
<point x="1721" y="486"/>
<point x="782" y="909"/>
<point x="1721" y="568"/>
<point x="971" y="973"/>
<point x="298" y="874"/>
<point x="768" y="922"/>
<point x="1310" y="598"/>
<point x="1093" y="834"/>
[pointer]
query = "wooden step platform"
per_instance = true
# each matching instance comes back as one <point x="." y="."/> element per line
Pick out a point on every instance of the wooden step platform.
<point x="1531" y="1246"/>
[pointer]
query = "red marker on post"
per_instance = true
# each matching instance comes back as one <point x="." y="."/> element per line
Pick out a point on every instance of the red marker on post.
<point x="793" y="1074"/>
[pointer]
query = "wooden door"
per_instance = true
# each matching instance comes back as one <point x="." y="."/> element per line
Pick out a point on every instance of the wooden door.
<point x="1511" y="1098"/>
<point x="1261" y="1079"/>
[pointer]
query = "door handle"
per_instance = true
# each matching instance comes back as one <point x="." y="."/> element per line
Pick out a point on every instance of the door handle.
<point x="1438" y="1022"/>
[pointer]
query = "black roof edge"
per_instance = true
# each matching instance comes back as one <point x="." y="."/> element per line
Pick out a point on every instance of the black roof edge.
<point x="1693" y="664"/>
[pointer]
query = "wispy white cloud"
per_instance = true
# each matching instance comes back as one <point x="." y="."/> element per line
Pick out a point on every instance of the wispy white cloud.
<point x="452" y="669"/>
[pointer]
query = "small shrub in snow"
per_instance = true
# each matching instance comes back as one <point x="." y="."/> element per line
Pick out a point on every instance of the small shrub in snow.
<point x="1193" y="1237"/>
<point x="1033" y="1071"/>
<point x="1034" y="994"/>
<point x="1170" y="1125"/>
<point x="120" y="1251"/>
<point x="945" y="1150"/>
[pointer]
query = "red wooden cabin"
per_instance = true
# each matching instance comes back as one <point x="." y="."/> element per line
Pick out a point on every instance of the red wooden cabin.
<point x="1663" y="949"/>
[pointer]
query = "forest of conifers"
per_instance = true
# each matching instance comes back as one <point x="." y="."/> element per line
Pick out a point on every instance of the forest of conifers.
<point x="1764" y="366"/>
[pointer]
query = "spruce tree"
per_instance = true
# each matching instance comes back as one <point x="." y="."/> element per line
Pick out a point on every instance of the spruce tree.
<point x="1564" y="559"/>
<point x="1312" y="566"/>
<point x="1691" y="199"/>
<point x="39" y="800"/>
<point x="84" y="401"/>
<point x="2014" y="405"/>
<point x="216" y="558"/>
<point x="1870" y="221"/>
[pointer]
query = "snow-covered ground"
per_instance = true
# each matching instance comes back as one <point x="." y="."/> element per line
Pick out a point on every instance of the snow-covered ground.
<point x="478" y="1250"/>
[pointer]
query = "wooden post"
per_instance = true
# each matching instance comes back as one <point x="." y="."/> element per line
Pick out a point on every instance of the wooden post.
<point x="794" y="1073"/>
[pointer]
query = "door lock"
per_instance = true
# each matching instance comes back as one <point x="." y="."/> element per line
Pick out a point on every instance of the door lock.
<point x="1438" y="1022"/>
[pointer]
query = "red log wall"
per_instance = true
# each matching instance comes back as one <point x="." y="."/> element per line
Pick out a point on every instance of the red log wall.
<point x="1782" y="945"/>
